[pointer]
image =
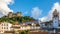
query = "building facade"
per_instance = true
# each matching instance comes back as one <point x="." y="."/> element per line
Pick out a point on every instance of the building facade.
<point x="55" y="19"/>
<point x="4" y="26"/>
<point x="54" y="23"/>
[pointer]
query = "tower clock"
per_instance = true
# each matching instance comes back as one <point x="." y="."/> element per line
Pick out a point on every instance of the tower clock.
<point x="55" y="19"/>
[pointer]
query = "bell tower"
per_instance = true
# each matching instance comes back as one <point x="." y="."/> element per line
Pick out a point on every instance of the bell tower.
<point x="55" y="19"/>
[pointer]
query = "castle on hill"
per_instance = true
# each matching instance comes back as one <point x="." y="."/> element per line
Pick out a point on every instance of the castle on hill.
<point x="11" y="14"/>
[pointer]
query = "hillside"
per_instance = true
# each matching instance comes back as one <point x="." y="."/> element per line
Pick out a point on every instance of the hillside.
<point x="13" y="20"/>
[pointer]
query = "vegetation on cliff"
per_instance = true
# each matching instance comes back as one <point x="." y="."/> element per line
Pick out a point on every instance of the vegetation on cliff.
<point x="16" y="19"/>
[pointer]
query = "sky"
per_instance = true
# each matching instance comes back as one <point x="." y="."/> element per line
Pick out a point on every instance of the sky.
<point x="39" y="9"/>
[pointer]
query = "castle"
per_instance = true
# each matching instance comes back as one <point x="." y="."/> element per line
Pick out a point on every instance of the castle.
<point x="11" y="14"/>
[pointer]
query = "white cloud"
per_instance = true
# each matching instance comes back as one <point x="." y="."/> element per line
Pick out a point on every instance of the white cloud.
<point x="50" y="14"/>
<point x="43" y="19"/>
<point x="36" y="12"/>
<point x="4" y="9"/>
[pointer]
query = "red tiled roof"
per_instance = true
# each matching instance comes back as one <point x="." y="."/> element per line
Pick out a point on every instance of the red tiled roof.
<point x="9" y="32"/>
<point x="38" y="33"/>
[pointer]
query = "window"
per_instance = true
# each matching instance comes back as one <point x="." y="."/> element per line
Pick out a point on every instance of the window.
<point x="55" y="21"/>
<point x="2" y="27"/>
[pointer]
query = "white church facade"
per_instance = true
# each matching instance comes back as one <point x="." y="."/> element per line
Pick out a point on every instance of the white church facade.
<point x="54" y="22"/>
<point x="55" y="19"/>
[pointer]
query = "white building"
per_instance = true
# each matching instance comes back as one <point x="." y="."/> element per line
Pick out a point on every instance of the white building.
<point x="4" y="26"/>
<point x="20" y="27"/>
<point x="55" y="19"/>
<point x="54" y="22"/>
<point x="42" y="25"/>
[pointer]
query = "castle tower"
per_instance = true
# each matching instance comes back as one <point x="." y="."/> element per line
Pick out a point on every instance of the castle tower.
<point x="55" y="19"/>
<point x="18" y="14"/>
<point x="10" y="14"/>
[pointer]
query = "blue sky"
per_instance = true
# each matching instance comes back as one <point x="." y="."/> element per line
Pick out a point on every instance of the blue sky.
<point x="26" y="6"/>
